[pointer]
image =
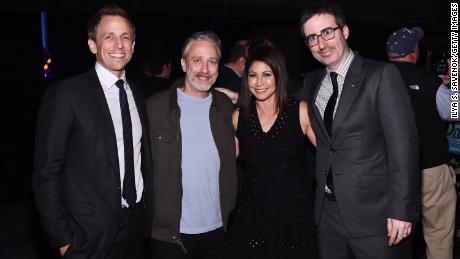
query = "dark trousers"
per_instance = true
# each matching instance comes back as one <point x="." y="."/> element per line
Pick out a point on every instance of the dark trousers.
<point x="334" y="242"/>
<point x="209" y="245"/>
<point x="129" y="243"/>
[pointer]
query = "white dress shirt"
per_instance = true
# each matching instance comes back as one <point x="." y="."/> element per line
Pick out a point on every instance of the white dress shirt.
<point x="111" y="92"/>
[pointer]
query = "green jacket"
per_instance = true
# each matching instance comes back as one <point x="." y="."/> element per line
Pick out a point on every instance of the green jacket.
<point x="164" y="114"/>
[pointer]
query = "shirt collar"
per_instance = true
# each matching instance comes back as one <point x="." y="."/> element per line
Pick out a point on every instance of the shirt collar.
<point x="238" y="74"/>
<point x="106" y="78"/>
<point x="343" y="67"/>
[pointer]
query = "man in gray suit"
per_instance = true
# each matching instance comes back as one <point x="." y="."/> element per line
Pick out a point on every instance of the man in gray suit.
<point x="367" y="167"/>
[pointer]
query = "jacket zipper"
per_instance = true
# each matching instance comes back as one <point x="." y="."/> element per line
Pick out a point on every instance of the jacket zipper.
<point x="179" y="242"/>
<point x="179" y="139"/>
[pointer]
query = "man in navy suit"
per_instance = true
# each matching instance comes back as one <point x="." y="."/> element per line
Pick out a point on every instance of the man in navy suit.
<point x="92" y="157"/>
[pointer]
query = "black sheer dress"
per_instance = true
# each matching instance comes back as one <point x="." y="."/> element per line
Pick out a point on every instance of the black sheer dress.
<point x="273" y="218"/>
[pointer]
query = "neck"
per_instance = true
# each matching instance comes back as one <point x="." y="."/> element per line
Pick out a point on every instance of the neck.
<point x="235" y="68"/>
<point x="191" y="92"/>
<point x="342" y="59"/>
<point x="403" y="59"/>
<point x="267" y="106"/>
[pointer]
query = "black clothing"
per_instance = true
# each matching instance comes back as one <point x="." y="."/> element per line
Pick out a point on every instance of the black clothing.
<point x="274" y="213"/>
<point x="209" y="245"/>
<point x="151" y="84"/>
<point x="77" y="176"/>
<point x="228" y="79"/>
<point x="334" y="241"/>
<point x="422" y="87"/>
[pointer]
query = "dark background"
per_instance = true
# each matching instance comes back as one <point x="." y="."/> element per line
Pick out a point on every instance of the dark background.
<point x="159" y="23"/>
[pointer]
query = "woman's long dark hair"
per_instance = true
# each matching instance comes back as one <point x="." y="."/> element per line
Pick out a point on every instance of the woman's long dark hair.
<point x="269" y="55"/>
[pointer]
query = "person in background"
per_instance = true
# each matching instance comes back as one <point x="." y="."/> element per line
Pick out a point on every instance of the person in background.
<point x="154" y="72"/>
<point x="444" y="96"/>
<point x="439" y="196"/>
<point x="231" y="73"/>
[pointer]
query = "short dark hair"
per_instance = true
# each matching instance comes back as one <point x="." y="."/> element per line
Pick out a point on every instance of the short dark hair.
<point x="322" y="7"/>
<point x="238" y="50"/>
<point x="202" y="35"/>
<point x="269" y="55"/>
<point x="108" y="10"/>
<point x="154" y="63"/>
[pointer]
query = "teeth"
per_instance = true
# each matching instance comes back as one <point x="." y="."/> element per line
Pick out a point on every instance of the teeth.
<point x="117" y="55"/>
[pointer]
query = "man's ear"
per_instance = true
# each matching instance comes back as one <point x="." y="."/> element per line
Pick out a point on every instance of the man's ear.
<point x="345" y="31"/>
<point x="183" y="65"/>
<point x="241" y="61"/>
<point x="92" y="46"/>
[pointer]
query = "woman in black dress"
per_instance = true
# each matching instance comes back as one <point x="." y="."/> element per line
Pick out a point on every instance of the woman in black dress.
<point x="274" y="214"/>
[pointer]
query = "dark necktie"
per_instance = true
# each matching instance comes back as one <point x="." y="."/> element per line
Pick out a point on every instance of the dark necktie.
<point x="129" y="188"/>
<point x="329" y="111"/>
<point x="328" y="118"/>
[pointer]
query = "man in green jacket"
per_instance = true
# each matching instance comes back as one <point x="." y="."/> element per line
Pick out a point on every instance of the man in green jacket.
<point x="193" y="150"/>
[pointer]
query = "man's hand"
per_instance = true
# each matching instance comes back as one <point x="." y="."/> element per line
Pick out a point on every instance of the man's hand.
<point x="446" y="78"/>
<point x="63" y="249"/>
<point x="397" y="231"/>
<point x="230" y="94"/>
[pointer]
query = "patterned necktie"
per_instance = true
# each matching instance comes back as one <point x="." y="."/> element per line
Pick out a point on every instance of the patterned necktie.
<point x="129" y="188"/>
<point x="329" y="111"/>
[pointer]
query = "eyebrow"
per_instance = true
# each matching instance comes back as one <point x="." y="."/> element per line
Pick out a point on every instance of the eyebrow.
<point x="328" y="27"/>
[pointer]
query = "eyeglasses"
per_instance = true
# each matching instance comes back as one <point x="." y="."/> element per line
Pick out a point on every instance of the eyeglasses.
<point x="327" y="34"/>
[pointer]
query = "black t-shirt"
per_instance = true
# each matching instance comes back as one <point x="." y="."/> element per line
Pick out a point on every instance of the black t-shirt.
<point x="422" y="87"/>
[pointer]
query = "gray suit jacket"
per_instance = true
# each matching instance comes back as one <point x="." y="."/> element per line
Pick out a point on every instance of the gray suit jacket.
<point x="373" y="151"/>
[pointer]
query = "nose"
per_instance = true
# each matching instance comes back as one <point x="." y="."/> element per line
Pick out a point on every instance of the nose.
<point x="205" y="67"/>
<point x="259" y="81"/>
<point x="118" y="43"/>
<point x="321" y="43"/>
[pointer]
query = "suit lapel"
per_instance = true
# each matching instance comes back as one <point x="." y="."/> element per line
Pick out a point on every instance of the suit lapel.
<point x="104" y="123"/>
<point x="140" y="105"/>
<point x="351" y="86"/>
<point x="317" y="81"/>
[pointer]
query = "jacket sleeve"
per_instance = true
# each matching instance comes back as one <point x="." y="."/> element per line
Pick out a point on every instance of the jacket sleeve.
<point x="401" y="141"/>
<point x="53" y="133"/>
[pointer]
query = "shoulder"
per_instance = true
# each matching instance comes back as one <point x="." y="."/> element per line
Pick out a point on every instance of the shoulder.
<point x="303" y="106"/>
<point x="412" y="72"/>
<point x="68" y="87"/>
<point x="222" y="101"/>
<point x="314" y="74"/>
<point x="375" y="70"/>
<point x="374" y="64"/>
<point x="159" y="99"/>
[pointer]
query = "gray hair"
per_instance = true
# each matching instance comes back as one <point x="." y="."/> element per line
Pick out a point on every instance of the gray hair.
<point x="202" y="35"/>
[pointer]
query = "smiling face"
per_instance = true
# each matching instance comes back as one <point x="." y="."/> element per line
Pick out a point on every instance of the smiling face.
<point x="261" y="81"/>
<point x="201" y="67"/>
<point x="114" y="44"/>
<point x="332" y="52"/>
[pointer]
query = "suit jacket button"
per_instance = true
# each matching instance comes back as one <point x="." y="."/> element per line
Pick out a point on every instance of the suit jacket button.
<point x="324" y="172"/>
